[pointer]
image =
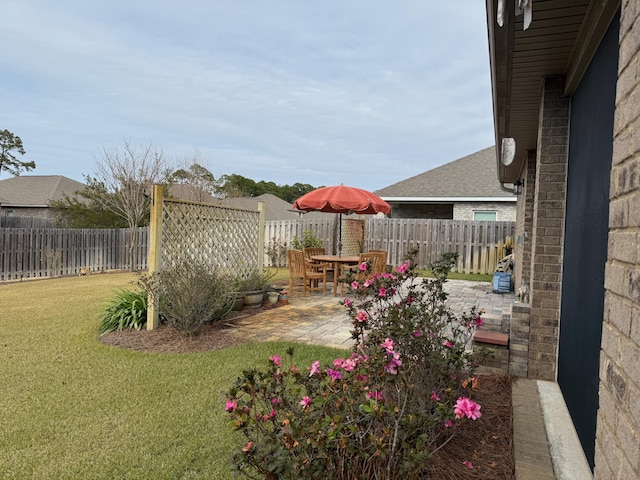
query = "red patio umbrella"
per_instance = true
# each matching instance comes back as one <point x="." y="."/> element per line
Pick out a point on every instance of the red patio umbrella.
<point x="341" y="199"/>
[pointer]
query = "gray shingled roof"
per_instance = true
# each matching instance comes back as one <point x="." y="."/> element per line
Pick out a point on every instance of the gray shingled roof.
<point x="190" y="193"/>
<point x="274" y="207"/>
<point x="470" y="176"/>
<point x="36" y="190"/>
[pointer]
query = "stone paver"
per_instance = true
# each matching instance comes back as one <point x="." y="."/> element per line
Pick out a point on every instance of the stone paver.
<point x="321" y="319"/>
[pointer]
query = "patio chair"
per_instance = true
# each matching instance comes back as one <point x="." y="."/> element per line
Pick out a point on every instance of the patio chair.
<point x="310" y="252"/>
<point x="311" y="277"/>
<point x="376" y="260"/>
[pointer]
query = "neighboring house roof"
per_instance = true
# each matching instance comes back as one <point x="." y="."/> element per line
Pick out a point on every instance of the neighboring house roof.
<point x="274" y="207"/>
<point x="470" y="178"/>
<point x="36" y="190"/>
<point x="190" y="193"/>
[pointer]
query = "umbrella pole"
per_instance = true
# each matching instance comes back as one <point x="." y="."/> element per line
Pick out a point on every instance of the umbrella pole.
<point x="340" y="235"/>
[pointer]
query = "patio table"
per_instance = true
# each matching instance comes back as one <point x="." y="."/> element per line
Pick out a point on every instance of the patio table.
<point x="336" y="260"/>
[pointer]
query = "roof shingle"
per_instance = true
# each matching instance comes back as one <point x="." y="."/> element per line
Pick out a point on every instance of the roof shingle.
<point x="470" y="176"/>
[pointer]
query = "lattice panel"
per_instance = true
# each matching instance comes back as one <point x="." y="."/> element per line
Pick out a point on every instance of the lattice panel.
<point x="222" y="237"/>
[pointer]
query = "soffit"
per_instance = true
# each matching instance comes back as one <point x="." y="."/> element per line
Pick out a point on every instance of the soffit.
<point x="560" y="41"/>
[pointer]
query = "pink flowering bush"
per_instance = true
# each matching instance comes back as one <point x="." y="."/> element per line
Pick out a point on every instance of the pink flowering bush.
<point x="379" y="413"/>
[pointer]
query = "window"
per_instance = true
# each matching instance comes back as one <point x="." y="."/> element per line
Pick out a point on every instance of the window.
<point x="8" y="213"/>
<point x="485" y="215"/>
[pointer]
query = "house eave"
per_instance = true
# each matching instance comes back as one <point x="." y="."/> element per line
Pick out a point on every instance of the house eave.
<point x="448" y="199"/>
<point x="561" y="41"/>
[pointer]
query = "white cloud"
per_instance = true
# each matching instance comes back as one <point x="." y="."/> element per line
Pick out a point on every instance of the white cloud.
<point x="284" y="91"/>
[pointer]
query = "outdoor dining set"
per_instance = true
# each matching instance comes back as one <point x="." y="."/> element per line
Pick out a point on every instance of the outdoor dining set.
<point x="313" y="265"/>
<point x="312" y="268"/>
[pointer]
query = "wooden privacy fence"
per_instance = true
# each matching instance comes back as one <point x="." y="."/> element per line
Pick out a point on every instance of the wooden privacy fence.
<point x="43" y="252"/>
<point x="49" y="252"/>
<point x="479" y="244"/>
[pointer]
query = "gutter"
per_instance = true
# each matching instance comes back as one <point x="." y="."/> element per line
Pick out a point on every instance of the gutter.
<point x="452" y="199"/>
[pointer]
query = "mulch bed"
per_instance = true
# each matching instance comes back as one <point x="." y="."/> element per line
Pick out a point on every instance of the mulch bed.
<point x="487" y="442"/>
<point x="213" y="336"/>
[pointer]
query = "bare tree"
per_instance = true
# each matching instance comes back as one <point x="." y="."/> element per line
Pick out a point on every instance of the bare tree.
<point x="124" y="176"/>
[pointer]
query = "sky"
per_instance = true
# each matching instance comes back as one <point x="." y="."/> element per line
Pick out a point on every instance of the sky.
<point x="365" y="93"/>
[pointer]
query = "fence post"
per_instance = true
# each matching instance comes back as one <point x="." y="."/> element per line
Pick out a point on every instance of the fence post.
<point x="260" y="236"/>
<point x="155" y="251"/>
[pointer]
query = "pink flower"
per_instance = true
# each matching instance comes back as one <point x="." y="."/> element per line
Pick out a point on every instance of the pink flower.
<point x="354" y="285"/>
<point x="382" y="292"/>
<point x="447" y="344"/>
<point x="363" y="267"/>
<point x="377" y="395"/>
<point x="272" y="414"/>
<point x="305" y="402"/>
<point x="467" y="407"/>
<point x="478" y="321"/>
<point x="394" y="363"/>
<point x="361" y="378"/>
<point x="315" y="368"/>
<point x="448" y="424"/>
<point x="434" y="396"/>
<point x="231" y="405"/>
<point x="334" y="374"/>
<point x="416" y="334"/>
<point x="362" y="316"/>
<point x="402" y="268"/>
<point x="349" y="364"/>
<point x="387" y="345"/>
<point x="367" y="283"/>
<point x="247" y="447"/>
<point x="275" y="359"/>
<point x="468" y="464"/>
<point x="347" y="302"/>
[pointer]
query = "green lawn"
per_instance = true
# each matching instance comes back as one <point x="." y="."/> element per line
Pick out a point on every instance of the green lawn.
<point x="72" y="407"/>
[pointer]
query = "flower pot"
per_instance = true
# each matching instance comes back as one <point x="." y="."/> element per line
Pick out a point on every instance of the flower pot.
<point x="284" y="297"/>
<point x="253" y="299"/>
<point x="273" y="297"/>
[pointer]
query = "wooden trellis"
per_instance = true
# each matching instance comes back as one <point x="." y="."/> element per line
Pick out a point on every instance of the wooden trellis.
<point x="228" y="239"/>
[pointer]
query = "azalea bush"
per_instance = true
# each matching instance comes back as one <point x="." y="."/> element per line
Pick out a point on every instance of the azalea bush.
<point x="379" y="413"/>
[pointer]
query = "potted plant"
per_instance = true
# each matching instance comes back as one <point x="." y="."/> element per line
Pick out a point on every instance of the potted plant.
<point x="254" y="285"/>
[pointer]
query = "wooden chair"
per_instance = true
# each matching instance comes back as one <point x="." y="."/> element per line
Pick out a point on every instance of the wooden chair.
<point x="311" y="277"/>
<point x="385" y="256"/>
<point x="310" y="252"/>
<point x="377" y="261"/>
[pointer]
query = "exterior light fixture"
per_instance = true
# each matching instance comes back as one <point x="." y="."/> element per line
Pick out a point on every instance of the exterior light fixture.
<point x="517" y="187"/>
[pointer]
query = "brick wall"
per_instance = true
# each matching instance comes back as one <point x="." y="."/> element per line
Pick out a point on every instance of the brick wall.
<point x="548" y="229"/>
<point x="618" y="430"/>
<point x="506" y="211"/>
<point x="524" y="224"/>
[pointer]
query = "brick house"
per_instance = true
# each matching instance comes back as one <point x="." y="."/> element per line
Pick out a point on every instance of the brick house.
<point x="29" y="195"/>
<point x="464" y="189"/>
<point x="566" y="111"/>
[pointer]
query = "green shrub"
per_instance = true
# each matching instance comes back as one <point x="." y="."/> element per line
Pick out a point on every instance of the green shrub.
<point x="189" y="294"/>
<point x="254" y="280"/>
<point x="126" y="309"/>
<point x="309" y="240"/>
<point x="382" y="412"/>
